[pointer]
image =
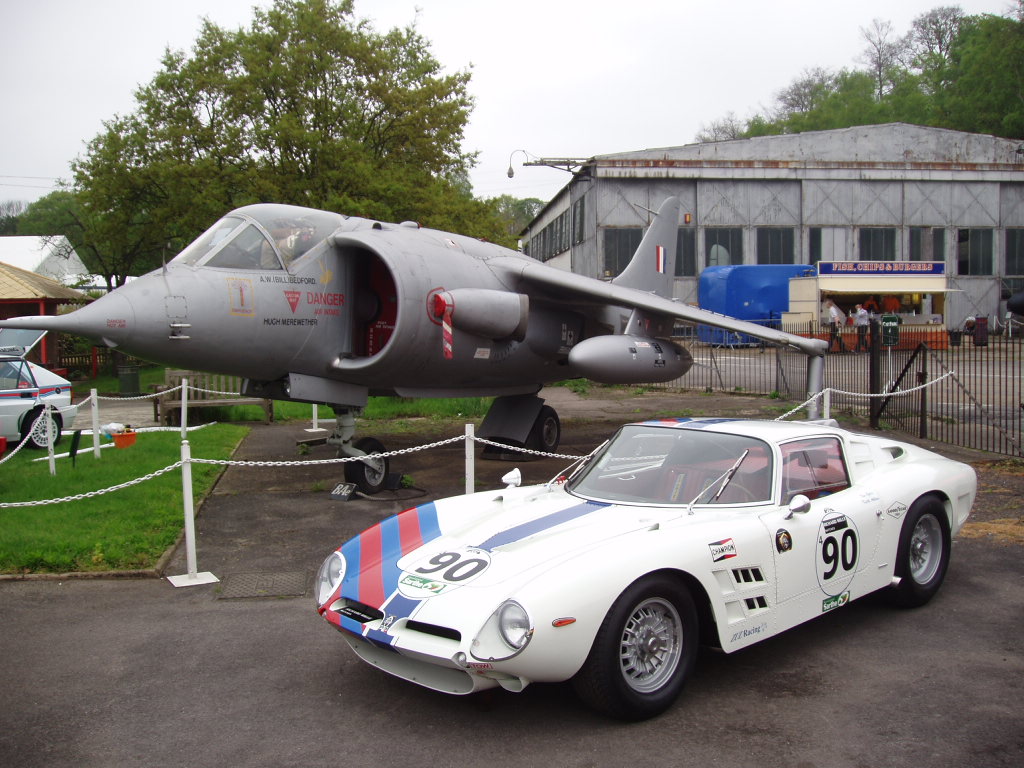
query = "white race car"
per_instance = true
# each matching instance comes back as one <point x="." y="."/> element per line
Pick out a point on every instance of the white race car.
<point x="673" y="533"/>
<point x="25" y="390"/>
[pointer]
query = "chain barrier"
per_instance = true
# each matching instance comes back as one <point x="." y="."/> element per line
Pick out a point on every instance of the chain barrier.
<point x="828" y="391"/>
<point x="93" y="494"/>
<point x="527" y="451"/>
<point x="292" y="463"/>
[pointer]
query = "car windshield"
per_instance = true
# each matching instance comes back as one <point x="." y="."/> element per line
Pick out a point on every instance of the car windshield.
<point x="651" y="464"/>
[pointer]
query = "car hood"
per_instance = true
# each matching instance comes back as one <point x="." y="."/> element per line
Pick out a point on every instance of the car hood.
<point x="486" y="540"/>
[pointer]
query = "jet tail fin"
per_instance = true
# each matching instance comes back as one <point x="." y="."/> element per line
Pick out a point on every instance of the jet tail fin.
<point x="653" y="265"/>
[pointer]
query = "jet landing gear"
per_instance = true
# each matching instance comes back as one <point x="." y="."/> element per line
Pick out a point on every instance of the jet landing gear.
<point x="371" y="474"/>
<point x="520" y="421"/>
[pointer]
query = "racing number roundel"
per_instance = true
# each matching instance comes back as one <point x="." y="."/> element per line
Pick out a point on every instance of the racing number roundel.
<point x="838" y="552"/>
<point x="442" y="572"/>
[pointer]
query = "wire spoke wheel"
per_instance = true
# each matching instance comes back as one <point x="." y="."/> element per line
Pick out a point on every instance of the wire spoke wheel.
<point x="925" y="553"/>
<point x="652" y="645"/>
<point x="644" y="650"/>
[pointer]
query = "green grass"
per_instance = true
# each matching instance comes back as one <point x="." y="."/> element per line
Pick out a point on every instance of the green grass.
<point x="123" y="530"/>
<point x="377" y="409"/>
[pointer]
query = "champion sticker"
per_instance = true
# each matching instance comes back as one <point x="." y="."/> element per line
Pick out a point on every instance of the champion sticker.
<point x="722" y="550"/>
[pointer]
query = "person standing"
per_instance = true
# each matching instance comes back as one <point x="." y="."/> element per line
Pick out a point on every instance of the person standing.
<point x="836" y="318"/>
<point x="861" y="318"/>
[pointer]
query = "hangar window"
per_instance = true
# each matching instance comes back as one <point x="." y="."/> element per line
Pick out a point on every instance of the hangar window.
<point x="1015" y="252"/>
<point x="827" y="244"/>
<point x="974" y="251"/>
<point x="686" y="253"/>
<point x="723" y="246"/>
<point x="619" y="247"/>
<point x="927" y="244"/>
<point x="578" y="211"/>
<point x="877" y="244"/>
<point x="775" y="245"/>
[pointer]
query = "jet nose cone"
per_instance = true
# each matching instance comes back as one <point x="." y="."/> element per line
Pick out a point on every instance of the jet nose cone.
<point x="110" y="319"/>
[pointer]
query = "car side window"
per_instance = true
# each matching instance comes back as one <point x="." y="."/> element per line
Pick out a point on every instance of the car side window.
<point x="15" y="375"/>
<point x="814" y="467"/>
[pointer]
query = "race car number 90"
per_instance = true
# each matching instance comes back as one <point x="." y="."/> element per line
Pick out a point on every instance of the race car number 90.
<point x="442" y="572"/>
<point x="838" y="551"/>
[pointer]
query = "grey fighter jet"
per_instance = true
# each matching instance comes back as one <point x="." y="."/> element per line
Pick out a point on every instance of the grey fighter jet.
<point x="318" y="307"/>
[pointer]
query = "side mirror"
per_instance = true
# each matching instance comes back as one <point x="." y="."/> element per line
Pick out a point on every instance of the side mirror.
<point x="799" y="505"/>
<point x="515" y="478"/>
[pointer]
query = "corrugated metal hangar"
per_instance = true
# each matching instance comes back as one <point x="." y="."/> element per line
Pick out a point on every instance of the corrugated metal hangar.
<point x="877" y="195"/>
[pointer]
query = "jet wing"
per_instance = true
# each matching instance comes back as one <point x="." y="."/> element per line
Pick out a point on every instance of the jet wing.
<point x="536" y="278"/>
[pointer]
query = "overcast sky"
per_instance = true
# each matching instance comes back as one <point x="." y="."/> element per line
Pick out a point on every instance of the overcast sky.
<point x="556" y="78"/>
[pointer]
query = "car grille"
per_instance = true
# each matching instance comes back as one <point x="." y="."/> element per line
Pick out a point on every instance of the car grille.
<point x="433" y="629"/>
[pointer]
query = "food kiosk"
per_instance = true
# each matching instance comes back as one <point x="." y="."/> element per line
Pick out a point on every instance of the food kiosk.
<point x="914" y="291"/>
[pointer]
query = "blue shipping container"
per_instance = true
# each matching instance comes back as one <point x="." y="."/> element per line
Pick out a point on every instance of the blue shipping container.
<point x="757" y="293"/>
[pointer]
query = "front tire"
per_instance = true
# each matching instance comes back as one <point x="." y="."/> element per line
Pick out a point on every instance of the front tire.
<point x="922" y="557"/>
<point x="644" y="651"/>
<point x="369" y="475"/>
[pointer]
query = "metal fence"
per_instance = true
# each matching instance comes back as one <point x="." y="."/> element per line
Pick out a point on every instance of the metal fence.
<point x="976" y="400"/>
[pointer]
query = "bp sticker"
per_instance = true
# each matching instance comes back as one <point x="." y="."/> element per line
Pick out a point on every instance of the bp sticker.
<point x="838" y="551"/>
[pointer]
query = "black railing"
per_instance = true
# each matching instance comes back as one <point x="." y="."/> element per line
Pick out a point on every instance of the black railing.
<point x="974" y="399"/>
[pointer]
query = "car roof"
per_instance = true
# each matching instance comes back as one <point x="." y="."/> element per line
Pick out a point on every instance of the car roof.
<point x="770" y="431"/>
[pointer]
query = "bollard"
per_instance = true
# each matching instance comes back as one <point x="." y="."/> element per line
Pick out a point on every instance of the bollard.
<point x="470" y="466"/>
<point x="192" y="578"/>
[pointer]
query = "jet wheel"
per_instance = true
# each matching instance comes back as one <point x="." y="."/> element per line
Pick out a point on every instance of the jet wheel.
<point x="369" y="475"/>
<point x="546" y="432"/>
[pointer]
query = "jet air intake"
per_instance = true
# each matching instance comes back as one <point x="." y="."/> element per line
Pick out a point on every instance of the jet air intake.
<point x="628" y="359"/>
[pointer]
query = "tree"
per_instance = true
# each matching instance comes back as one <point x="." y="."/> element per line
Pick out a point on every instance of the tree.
<point x="516" y="212"/>
<point x="723" y="129"/>
<point x="307" y="106"/>
<point x="10" y="210"/>
<point x="985" y="80"/>
<point x="884" y="54"/>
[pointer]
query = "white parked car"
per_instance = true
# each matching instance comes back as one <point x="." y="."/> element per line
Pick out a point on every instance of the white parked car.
<point x="26" y="388"/>
<point x="674" y="533"/>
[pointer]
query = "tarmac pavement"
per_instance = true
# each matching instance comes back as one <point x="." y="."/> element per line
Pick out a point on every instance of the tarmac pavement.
<point x="134" y="672"/>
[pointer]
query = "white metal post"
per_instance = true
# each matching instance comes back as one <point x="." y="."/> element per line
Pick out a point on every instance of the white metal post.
<point x="184" y="409"/>
<point x="470" y="454"/>
<point x="94" y="408"/>
<point x="51" y="438"/>
<point x="316" y="421"/>
<point x="191" y="578"/>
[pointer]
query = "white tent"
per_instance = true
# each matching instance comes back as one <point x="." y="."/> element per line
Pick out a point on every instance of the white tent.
<point x="51" y="257"/>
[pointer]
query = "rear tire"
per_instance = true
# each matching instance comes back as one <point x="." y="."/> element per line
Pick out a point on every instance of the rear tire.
<point x="644" y="651"/>
<point x="922" y="557"/>
<point x="35" y="430"/>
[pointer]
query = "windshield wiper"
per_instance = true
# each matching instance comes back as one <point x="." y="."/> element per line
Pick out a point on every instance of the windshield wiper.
<point x="724" y="478"/>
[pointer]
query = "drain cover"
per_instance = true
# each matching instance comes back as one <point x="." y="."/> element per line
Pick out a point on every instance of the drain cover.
<point x="242" y="585"/>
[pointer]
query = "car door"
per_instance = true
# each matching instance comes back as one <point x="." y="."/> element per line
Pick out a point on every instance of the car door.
<point x="822" y="546"/>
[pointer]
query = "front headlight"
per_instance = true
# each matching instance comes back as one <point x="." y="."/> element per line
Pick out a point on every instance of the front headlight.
<point x="329" y="577"/>
<point x="514" y="625"/>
